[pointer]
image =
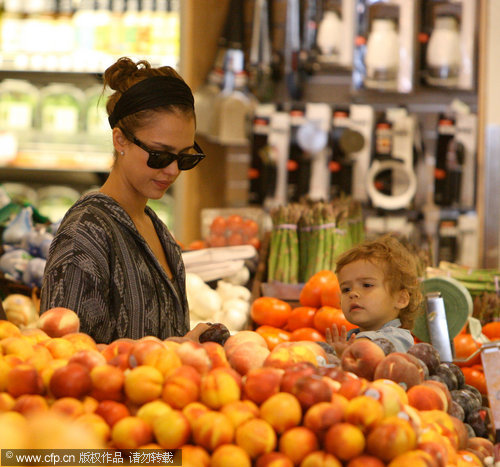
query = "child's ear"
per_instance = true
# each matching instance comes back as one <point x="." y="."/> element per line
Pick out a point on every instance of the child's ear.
<point x="403" y="299"/>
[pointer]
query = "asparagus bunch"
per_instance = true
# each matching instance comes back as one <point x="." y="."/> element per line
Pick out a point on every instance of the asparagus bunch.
<point x="476" y="281"/>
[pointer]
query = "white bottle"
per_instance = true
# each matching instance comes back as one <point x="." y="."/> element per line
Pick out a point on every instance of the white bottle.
<point x="443" y="52"/>
<point x="329" y="36"/>
<point x="382" y="54"/>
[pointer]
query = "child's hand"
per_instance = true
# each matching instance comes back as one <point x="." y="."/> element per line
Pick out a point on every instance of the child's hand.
<point x="338" y="339"/>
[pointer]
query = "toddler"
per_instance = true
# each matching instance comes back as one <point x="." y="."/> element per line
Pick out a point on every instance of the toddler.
<point x="380" y="293"/>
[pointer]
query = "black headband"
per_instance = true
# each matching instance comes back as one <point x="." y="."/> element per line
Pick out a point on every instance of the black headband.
<point x="149" y="93"/>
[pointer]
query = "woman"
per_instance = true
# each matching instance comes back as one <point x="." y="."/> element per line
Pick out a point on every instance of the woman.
<point x="113" y="261"/>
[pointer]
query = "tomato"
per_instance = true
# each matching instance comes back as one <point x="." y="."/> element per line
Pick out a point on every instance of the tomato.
<point x="197" y="245"/>
<point x="273" y="336"/>
<point x="301" y="317"/>
<point x="218" y="225"/>
<point x="271" y="311"/>
<point x="234" y="223"/>
<point x="474" y="376"/>
<point x="255" y="242"/>
<point x="327" y="316"/>
<point x="307" y="334"/>
<point x="235" y="238"/>
<point x="492" y="330"/>
<point x="465" y="346"/>
<point x="217" y="240"/>
<point x="321" y="289"/>
<point x="250" y="228"/>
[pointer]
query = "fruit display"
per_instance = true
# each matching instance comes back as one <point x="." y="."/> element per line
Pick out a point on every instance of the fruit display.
<point x="240" y="403"/>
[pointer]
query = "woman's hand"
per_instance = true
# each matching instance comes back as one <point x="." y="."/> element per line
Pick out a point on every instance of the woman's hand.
<point x="338" y="339"/>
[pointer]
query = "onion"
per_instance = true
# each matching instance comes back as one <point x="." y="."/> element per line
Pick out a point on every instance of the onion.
<point x="20" y="310"/>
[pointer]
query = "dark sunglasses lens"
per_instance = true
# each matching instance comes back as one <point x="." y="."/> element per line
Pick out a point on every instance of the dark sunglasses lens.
<point x="160" y="161"/>
<point x="188" y="161"/>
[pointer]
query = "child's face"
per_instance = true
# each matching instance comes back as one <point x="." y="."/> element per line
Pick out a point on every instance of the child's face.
<point x="366" y="300"/>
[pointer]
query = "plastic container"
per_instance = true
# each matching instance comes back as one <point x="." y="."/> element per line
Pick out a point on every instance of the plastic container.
<point x="18" y="102"/>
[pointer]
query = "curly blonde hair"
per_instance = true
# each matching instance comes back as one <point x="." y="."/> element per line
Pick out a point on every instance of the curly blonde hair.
<point x="400" y="270"/>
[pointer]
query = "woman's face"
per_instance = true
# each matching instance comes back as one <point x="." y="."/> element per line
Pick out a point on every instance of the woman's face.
<point x="170" y="132"/>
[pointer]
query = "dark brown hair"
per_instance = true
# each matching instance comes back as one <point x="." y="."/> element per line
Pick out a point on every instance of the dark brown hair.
<point x="400" y="270"/>
<point x="123" y="74"/>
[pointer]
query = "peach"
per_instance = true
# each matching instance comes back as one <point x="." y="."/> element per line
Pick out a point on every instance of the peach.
<point x="90" y="404"/>
<point x="243" y="337"/>
<point x="390" y="438"/>
<point x="88" y="357"/>
<point x="30" y="404"/>
<point x="81" y="341"/>
<point x="143" y="384"/>
<point x="294" y="372"/>
<point x="41" y="357"/>
<point x="262" y="383"/>
<point x="68" y="406"/>
<point x="415" y="458"/>
<point x="5" y="367"/>
<point x="219" y="387"/>
<point x="273" y="459"/>
<point x="400" y="367"/>
<point x="310" y="390"/>
<point x="297" y="443"/>
<point x="247" y="356"/>
<point x="362" y="357"/>
<point x="216" y="353"/>
<point x="229" y="455"/>
<point x="60" y="348"/>
<point x="256" y="437"/>
<point x="442" y="389"/>
<point x="481" y="445"/>
<point x="172" y="429"/>
<point x="289" y="353"/>
<point x="19" y="346"/>
<point x="6" y="402"/>
<point x="320" y="459"/>
<point x="240" y="411"/>
<point x="24" y="379"/>
<point x="152" y="410"/>
<point x="321" y="416"/>
<point x="118" y="347"/>
<point x="212" y="429"/>
<point x="194" y="354"/>
<point x="71" y="380"/>
<point x="36" y="335"/>
<point x="131" y="432"/>
<point x="438" y="452"/>
<point x="468" y="458"/>
<point x="182" y="387"/>
<point x="194" y="456"/>
<point x="424" y="397"/>
<point x="351" y="385"/>
<point x="429" y="438"/>
<point x="163" y="359"/>
<point x="364" y="412"/>
<point x="8" y="329"/>
<point x="140" y="349"/>
<point x="47" y="372"/>
<point x="112" y="411"/>
<point x="194" y="410"/>
<point x="344" y="440"/>
<point x="282" y="411"/>
<point x="58" y="321"/>
<point x="365" y="461"/>
<point x="107" y="382"/>
<point x="96" y="424"/>
<point x="387" y="395"/>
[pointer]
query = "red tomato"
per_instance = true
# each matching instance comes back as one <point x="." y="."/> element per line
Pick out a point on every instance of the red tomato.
<point x="217" y="240"/>
<point x="234" y="223"/>
<point x="218" y="225"/>
<point x="474" y="376"/>
<point x="327" y="316"/>
<point x="301" y="317"/>
<point x="273" y="336"/>
<point x="250" y="228"/>
<point x="271" y="311"/>
<point x="255" y="242"/>
<point x="235" y="238"/>
<point x="321" y="289"/>
<point x="465" y="346"/>
<point x="307" y="334"/>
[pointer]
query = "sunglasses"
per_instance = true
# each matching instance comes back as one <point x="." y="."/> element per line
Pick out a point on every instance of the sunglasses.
<point x="162" y="159"/>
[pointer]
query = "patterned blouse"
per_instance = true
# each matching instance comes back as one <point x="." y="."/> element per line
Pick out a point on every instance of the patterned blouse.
<point x="102" y="268"/>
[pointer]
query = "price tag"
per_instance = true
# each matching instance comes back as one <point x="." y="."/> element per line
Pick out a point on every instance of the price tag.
<point x="490" y="356"/>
